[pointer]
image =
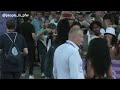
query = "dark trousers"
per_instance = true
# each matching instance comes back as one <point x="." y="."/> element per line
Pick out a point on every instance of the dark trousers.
<point x="10" y="75"/>
<point x="31" y="57"/>
<point x="38" y="53"/>
<point x="25" y="64"/>
<point x="42" y="54"/>
<point x="42" y="62"/>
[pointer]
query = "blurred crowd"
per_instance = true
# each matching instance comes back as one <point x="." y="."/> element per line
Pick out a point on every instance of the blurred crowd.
<point x="95" y="33"/>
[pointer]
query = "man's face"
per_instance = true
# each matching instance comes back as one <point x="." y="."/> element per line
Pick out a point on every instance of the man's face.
<point x="46" y="23"/>
<point x="39" y="15"/>
<point x="98" y="13"/>
<point x="33" y="12"/>
<point x="46" y="14"/>
<point x="80" y="17"/>
<point x="109" y="36"/>
<point x="70" y="21"/>
<point x="57" y="16"/>
<point x="107" y="22"/>
<point x="96" y="30"/>
<point x="79" y="38"/>
<point x="53" y="12"/>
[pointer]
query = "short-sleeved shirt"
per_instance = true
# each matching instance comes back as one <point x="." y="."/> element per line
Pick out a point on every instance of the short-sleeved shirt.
<point x="26" y="29"/>
<point x="37" y="24"/>
<point x="5" y="44"/>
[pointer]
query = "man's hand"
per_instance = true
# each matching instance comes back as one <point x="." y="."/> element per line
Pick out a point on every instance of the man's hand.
<point x="48" y="30"/>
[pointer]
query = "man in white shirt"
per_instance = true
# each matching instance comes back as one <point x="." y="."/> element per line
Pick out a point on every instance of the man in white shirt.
<point x="67" y="60"/>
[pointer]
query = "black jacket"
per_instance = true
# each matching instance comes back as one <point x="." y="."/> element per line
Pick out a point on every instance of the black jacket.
<point x="48" y="65"/>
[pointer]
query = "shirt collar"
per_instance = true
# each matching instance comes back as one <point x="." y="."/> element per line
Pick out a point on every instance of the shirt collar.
<point x="68" y="41"/>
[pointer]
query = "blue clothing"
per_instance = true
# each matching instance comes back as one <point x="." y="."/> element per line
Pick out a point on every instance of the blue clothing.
<point x="67" y="62"/>
<point x="38" y="25"/>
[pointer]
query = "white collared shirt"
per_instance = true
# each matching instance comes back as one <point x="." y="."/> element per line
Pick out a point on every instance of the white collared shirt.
<point x="67" y="62"/>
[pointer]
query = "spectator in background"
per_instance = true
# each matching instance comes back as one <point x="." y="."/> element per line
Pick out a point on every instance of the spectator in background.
<point x="46" y="15"/>
<point x="112" y="41"/>
<point x="75" y="24"/>
<point x="97" y="29"/>
<point x="67" y="14"/>
<point x="56" y="19"/>
<point x="28" y="31"/>
<point x="82" y="20"/>
<point x="63" y="29"/>
<point x="38" y="22"/>
<point x="52" y="16"/>
<point x="98" y="60"/>
<point x="46" y="41"/>
<point x="94" y="32"/>
<point x="89" y="17"/>
<point x="98" y="16"/>
<point x="118" y="28"/>
<point x="108" y="21"/>
<point x="42" y="34"/>
<point x="33" y="15"/>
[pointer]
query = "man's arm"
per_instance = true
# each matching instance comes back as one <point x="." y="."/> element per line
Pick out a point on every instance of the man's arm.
<point x="76" y="70"/>
<point x="41" y="33"/>
<point x="25" y="49"/>
<point x="54" y="68"/>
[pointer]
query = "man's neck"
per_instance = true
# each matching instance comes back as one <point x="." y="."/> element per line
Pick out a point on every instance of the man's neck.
<point x="10" y="30"/>
<point x="72" y="41"/>
<point x="40" y="19"/>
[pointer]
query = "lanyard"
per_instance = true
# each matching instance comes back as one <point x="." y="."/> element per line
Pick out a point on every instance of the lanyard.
<point x="70" y="44"/>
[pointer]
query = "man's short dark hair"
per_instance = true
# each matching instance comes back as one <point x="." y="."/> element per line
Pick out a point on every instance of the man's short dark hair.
<point x="110" y="17"/>
<point x="76" y="23"/>
<point x="58" y="12"/>
<point x="98" y="23"/>
<point x="26" y="19"/>
<point x="10" y="24"/>
<point x="81" y="14"/>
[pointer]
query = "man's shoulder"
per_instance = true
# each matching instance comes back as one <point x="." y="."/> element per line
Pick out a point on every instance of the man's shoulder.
<point x="2" y="36"/>
<point x="34" y="20"/>
<point x="66" y="48"/>
<point x="52" y="20"/>
<point x="20" y="36"/>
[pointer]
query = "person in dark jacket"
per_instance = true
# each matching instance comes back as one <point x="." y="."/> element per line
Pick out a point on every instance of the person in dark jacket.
<point x="63" y="29"/>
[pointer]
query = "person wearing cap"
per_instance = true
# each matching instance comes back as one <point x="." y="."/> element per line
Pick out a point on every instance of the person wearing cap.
<point x="46" y="40"/>
<point x="110" y="36"/>
<point x="111" y="39"/>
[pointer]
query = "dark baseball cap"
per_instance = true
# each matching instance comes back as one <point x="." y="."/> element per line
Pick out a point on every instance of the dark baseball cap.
<point x="52" y="26"/>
